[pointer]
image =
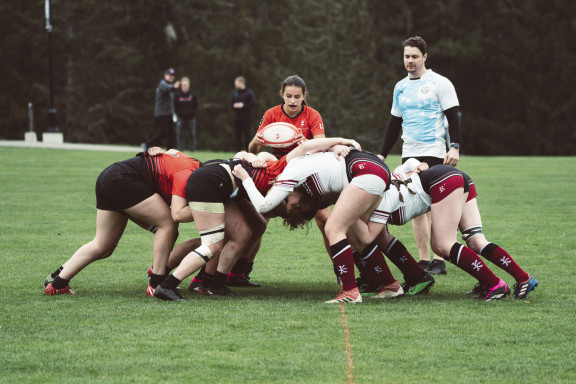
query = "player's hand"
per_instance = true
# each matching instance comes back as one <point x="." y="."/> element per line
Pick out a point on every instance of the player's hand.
<point x="421" y="167"/>
<point x="452" y="157"/>
<point x="258" y="140"/>
<point x="300" y="139"/>
<point x="177" y="84"/>
<point x="240" y="172"/>
<point x="238" y="104"/>
<point x="351" y="143"/>
<point x="381" y="157"/>
<point x="259" y="163"/>
<point x="155" y="151"/>
<point x="340" y="150"/>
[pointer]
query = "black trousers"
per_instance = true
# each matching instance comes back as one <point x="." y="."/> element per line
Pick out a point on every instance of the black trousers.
<point x="165" y="130"/>
<point x="242" y="133"/>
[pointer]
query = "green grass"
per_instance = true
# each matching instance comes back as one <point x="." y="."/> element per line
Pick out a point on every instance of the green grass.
<point x="110" y="332"/>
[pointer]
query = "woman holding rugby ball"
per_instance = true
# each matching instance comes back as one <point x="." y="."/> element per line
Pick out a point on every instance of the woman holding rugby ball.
<point x="294" y="110"/>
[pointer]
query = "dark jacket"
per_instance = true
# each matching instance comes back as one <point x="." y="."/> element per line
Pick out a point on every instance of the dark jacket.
<point x="185" y="104"/>
<point x="247" y="97"/>
<point x="164" y="105"/>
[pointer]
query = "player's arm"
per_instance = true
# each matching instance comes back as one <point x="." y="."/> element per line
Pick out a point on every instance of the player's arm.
<point x="318" y="145"/>
<point x="261" y="203"/>
<point x="255" y="145"/>
<point x="181" y="212"/>
<point x="454" y="129"/>
<point x="393" y="129"/>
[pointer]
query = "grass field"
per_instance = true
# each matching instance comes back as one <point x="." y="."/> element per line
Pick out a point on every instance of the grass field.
<point x="110" y="332"/>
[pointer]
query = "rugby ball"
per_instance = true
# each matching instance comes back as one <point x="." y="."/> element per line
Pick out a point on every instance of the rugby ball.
<point x="279" y="135"/>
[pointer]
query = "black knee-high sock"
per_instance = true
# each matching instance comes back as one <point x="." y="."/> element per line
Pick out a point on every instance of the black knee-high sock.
<point x="57" y="272"/>
<point x="248" y="267"/>
<point x="239" y="267"/>
<point x="219" y="280"/>
<point x="155" y="279"/>
<point x="60" y="283"/>
<point x="170" y="282"/>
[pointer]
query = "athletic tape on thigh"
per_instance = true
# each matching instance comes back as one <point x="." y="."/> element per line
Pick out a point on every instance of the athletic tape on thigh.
<point x="206" y="207"/>
<point x="212" y="236"/>
<point x="470" y="232"/>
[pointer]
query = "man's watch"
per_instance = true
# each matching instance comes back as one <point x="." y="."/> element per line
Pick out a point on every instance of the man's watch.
<point x="455" y="145"/>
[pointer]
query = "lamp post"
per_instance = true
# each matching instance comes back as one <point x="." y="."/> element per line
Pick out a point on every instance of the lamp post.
<point x="52" y="111"/>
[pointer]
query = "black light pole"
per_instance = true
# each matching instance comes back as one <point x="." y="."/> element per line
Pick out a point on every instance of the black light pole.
<point x="52" y="112"/>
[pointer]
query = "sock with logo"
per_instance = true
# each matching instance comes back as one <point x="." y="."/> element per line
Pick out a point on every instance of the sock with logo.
<point x="399" y="255"/>
<point x="502" y="259"/>
<point x="343" y="260"/>
<point x="468" y="261"/>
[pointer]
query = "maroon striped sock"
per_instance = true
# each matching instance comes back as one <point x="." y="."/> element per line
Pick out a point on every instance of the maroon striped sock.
<point x="399" y="255"/>
<point x="343" y="261"/>
<point x="502" y="259"/>
<point x="374" y="267"/>
<point x="468" y="261"/>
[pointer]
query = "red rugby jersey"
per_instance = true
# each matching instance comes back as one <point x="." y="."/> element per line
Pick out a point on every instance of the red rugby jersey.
<point x="264" y="178"/>
<point x="308" y="121"/>
<point x="171" y="173"/>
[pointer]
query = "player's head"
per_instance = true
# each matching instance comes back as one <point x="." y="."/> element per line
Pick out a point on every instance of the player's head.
<point x="240" y="82"/>
<point x="185" y="84"/>
<point x="294" y="93"/>
<point x="415" y="54"/>
<point x="300" y="209"/>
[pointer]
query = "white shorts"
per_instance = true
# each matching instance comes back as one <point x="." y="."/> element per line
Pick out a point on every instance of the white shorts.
<point x="370" y="183"/>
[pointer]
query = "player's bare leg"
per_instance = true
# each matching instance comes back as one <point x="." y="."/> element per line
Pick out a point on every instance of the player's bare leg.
<point x="210" y="225"/>
<point x="446" y="216"/>
<point x="422" y="227"/>
<point x="471" y="229"/>
<point x="352" y="204"/>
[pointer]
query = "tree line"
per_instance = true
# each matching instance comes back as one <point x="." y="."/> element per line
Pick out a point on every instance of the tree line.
<point x="511" y="62"/>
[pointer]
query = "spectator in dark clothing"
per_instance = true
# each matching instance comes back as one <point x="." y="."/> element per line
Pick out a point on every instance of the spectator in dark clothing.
<point x="242" y="102"/>
<point x="164" y="111"/>
<point x="185" y="106"/>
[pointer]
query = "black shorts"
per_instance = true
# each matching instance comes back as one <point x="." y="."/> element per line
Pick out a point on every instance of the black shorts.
<point x="118" y="188"/>
<point x="209" y="184"/>
<point x="431" y="161"/>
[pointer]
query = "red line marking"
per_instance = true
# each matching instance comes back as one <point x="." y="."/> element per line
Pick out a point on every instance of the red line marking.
<point x="350" y="361"/>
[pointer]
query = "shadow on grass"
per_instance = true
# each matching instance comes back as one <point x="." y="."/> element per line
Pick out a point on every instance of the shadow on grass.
<point x="270" y="291"/>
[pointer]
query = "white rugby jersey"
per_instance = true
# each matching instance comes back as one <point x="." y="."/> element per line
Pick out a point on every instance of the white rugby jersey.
<point x="421" y="104"/>
<point x="322" y="172"/>
<point x="393" y="211"/>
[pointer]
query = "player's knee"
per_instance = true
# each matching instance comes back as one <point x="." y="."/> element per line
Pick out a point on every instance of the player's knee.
<point x="474" y="238"/>
<point x="213" y="239"/>
<point x="333" y="232"/>
<point x="104" y="250"/>
<point x="441" y="248"/>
